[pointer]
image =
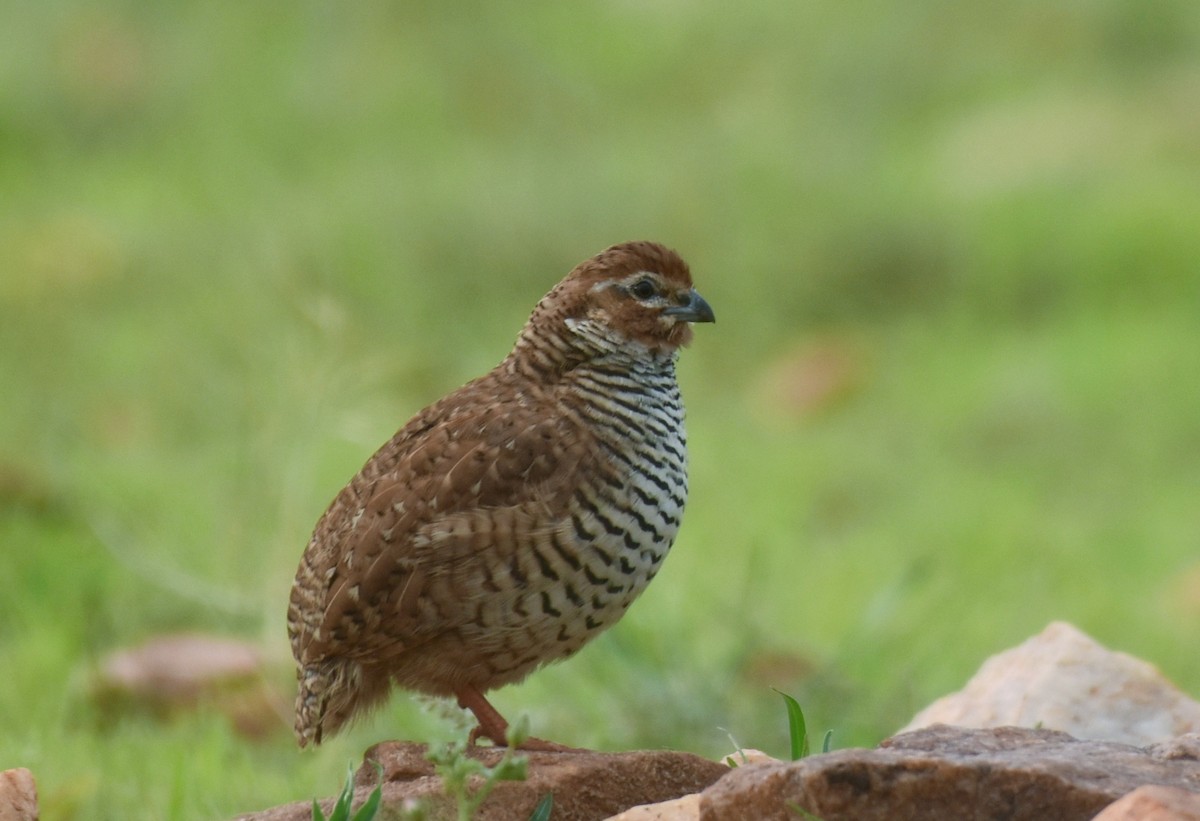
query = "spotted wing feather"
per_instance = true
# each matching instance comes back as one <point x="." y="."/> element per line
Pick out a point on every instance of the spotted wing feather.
<point x="451" y="485"/>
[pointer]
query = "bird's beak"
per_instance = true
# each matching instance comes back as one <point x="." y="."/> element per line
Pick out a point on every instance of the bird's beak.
<point x="696" y="309"/>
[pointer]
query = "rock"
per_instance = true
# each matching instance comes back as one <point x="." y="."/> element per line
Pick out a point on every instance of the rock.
<point x="688" y="807"/>
<point x="1154" y="803"/>
<point x="1063" y="680"/>
<point x="680" y="809"/>
<point x="18" y="796"/>
<point x="586" y="785"/>
<point x="747" y="756"/>
<point x="178" y="671"/>
<point x="953" y="772"/>
<point x="178" y="668"/>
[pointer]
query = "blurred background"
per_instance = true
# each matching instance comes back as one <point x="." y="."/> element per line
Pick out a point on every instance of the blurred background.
<point x="951" y="395"/>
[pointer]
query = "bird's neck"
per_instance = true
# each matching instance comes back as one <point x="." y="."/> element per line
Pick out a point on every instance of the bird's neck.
<point x="589" y="346"/>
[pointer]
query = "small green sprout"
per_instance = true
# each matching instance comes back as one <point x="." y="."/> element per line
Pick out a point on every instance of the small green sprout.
<point x="341" y="808"/>
<point x="798" y="729"/>
<point x="456" y="769"/>
<point x="542" y="811"/>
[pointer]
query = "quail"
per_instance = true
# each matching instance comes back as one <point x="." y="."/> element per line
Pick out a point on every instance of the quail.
<point x="511" y="522"/>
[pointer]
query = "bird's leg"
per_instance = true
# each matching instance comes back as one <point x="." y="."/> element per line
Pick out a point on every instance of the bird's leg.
<point x="493" y="727"/>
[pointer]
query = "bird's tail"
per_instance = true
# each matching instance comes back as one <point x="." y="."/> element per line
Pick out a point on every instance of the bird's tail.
<point x="331" y="693"/>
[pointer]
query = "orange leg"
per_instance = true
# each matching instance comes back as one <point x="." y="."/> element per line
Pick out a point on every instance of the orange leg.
<point x="493" y="727"/>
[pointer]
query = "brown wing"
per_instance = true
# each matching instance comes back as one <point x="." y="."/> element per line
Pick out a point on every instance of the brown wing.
<point x="460" y="478"/>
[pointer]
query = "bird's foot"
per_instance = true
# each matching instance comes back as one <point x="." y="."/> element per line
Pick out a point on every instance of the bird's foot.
<point x="494" y="728"/>
<point x="540" y="745"/>
<point x="530" y="745"/>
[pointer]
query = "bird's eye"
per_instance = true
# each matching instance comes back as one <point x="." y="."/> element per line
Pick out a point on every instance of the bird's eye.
<point x="643" y="288"/>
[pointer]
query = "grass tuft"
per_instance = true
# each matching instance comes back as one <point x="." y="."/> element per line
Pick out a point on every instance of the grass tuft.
<point x="342" y="806"/>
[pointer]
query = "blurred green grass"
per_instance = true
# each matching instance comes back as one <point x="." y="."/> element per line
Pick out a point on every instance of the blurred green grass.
<point x="241" y="243"/>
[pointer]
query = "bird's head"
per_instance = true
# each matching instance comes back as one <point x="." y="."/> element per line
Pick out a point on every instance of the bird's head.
<point x="636" y="292"/>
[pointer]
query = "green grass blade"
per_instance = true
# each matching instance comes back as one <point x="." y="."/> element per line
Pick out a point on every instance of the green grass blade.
<point x="797" y="730"/>
<point x="542" y="811"/>
<point x="808" y="816"/>
<point x="341" y="808"/>
<point x="370" y="807"/>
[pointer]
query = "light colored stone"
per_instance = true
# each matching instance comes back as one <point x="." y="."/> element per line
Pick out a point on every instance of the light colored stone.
<point x="1063" y="680"/>
<point x="680" y="809"/>
<point x="175" y="672"/>
<point x="178" y="667"/>
<point x="688" y="807"/>
<point x="1154" y="803"/>
<point x="749" y="757"/>
<point x="18" y="796"/>
<point x="952" y="772"/>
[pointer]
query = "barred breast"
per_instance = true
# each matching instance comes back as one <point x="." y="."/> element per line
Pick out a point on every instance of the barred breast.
<point x="585" y="563"/>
